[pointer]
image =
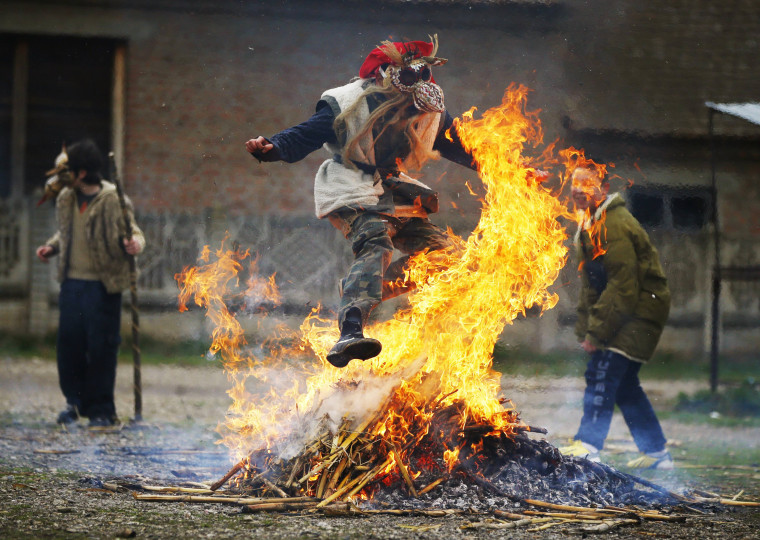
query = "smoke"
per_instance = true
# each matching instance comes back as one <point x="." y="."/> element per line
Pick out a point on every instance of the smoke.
<point x="356" y="400"/>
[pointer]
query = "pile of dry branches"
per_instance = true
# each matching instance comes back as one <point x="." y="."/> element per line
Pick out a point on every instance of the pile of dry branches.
<point x="340" y="464"/>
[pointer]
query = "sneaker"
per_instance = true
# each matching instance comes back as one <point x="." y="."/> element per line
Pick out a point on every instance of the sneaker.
<point x="661" y="460"/>
<point x="581" y="449"/>
<point x="101" y="421"/>
<point x="68" y="416"/>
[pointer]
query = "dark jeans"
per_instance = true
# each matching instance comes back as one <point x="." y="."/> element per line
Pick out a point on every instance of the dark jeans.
<point x="88" y="343"/>
<point x="613" y="379"/>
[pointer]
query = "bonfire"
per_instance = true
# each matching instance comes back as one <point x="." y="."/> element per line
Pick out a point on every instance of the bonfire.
<point x="428" y="412"/>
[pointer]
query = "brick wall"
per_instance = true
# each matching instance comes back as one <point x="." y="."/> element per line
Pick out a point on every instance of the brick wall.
<point x="201" y="85"/>
<point x="203" y="77"/>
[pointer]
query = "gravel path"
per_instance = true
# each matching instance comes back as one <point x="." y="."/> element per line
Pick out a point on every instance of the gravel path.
<point x="58" y="483"/>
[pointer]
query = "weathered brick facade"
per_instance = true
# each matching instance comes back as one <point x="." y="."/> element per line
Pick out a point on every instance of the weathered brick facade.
<point x="626" y="80"/>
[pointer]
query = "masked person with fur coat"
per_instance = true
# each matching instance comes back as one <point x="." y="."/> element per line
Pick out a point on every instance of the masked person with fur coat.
<point x="624" y="303"/>
<point x="93" y="270"/>
<point x="385" y="123"/>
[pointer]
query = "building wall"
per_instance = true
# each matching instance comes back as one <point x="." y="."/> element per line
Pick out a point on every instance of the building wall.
<point x="203" y="77"/>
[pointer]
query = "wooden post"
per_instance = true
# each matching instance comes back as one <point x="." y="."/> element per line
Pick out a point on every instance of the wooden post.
<point x="137" y="375"/>
<point x="716" y="276"/>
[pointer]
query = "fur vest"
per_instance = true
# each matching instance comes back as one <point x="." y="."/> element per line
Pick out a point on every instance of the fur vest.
<point x="336" y="185"/>
<point x="105" y="232"/>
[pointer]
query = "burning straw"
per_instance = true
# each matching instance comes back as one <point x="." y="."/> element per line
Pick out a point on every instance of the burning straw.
<point x="340" y="464"/>
<point x="428" y="410"/>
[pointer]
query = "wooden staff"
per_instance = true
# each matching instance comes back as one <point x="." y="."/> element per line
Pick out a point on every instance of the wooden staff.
<point x="136" y="371"/>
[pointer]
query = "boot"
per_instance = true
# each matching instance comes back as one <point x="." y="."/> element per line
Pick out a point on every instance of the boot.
<point x="69" y="415"/>
<point x="352" y="343"/>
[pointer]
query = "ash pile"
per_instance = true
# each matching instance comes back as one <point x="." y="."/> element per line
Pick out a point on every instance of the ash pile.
<point x="522" y="468"/>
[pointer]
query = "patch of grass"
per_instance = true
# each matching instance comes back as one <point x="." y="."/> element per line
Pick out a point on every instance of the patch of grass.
<point x="740" y="401"/>
<point x="731" y="369"/>
<point x="705" y="420"/>
<point x="153" y="352"/>
<point x="716" y="454"/>
<point x="663" y="365"/>
<point x="26" y="346"/>
<point x="523" y="362"/>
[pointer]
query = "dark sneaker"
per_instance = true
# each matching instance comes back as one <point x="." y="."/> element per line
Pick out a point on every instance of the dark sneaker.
<point x="101" y="421"/>
<point x="353" y="346"/>
<point x="68" y="416"/>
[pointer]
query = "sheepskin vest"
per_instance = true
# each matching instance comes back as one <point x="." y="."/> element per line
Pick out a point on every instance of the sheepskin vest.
<point x="104" y="232"/>
<point x="336" y="185"/>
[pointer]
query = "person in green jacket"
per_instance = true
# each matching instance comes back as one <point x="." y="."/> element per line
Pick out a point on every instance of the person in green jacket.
<point x="623" y="306"/>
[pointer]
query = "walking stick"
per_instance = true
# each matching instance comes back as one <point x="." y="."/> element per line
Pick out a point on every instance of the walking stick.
<point x="137" y="376"/>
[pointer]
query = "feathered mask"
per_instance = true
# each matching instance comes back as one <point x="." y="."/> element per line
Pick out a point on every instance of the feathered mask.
<point x="408" y="70"/>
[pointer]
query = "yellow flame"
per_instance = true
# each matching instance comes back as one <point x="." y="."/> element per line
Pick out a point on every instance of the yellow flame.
<point x="464" y="298"/>
<point x="587" y="176"/>
<point x="451" y="457"/>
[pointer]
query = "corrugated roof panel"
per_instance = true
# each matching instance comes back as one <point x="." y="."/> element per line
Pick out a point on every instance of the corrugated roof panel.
<point x="748" y="111"/>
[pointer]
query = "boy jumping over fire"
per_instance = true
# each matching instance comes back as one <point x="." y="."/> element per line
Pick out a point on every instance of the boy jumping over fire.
<point x="624" y="303"/>
<point x="389" y="120"/>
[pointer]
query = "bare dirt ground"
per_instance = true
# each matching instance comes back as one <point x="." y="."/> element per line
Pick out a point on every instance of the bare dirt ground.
<point x="57" y="483"/>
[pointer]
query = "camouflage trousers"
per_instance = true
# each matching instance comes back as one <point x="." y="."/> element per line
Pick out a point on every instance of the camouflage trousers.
<point x="372" y="277"/>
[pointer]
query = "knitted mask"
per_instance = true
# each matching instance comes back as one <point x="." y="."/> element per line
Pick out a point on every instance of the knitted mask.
<point x="417" y="79"/>
<point x="408" y="69"/>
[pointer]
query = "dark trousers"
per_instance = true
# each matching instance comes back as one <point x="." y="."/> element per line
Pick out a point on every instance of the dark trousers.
<point x="88" y="344"/>
<point x="612" y="379"/>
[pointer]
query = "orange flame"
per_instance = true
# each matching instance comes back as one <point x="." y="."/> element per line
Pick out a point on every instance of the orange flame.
<point x="451" y="457"/>
<point x="587" y="178"/>
<point x="441" y="344"/>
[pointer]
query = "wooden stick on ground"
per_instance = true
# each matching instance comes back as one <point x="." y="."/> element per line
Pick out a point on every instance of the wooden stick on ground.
<point x="507" y="515"/>
<point x="559" y="506"/>
<point x="172" y="489"/>
<point x="278" y="506"/>
<point x="656" y="516"/>
<point x="731" y="502"/>
<point x="432" y="485"/>
<point x="219" y="499"/>
<point x="232" y="472"/>
<point x="567" y="515"/>
<point x="608" y="525"/>
<point x="497" y="524"/>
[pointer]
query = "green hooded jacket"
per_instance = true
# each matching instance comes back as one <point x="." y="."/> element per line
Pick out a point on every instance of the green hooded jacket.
<point x="625" y="300"/>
